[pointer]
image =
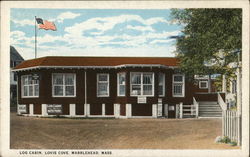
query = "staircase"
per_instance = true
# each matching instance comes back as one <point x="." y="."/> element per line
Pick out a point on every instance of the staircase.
<point x="209" y="109"/>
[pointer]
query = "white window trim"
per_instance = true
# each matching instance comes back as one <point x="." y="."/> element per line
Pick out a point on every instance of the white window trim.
<point x="22" y="89"/>
<point x="118" y="84"/>
<point x="203" y="82"/>
<point x="164" y="85"/>
<point x="64" y="86"/>
<point x="97" y="81"/>
<point x="141" y="73"/>
<point x="183" y="89"/>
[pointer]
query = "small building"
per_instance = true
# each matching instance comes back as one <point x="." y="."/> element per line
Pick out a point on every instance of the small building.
<point x="122" y="87"/>
<point x="15" y="59"/>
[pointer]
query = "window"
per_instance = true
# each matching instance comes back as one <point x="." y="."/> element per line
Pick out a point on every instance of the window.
<point x="178" y="85"/>
<point x="203" y="84"/>
<point x="30" y="87"/>
<point x="102" y="85"/>
<point x="63" y="85"/>
<point x="142" y="84"/>
<point x="121" y="84"/>
<point x="161" y="84"/>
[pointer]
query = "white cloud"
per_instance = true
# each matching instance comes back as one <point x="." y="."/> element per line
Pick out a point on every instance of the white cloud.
<point x="146" y="43"/>
<point x="24" y="22"/>
<point x="66" y="15"/>
<point x="140" y="28"/>
<point x="161" y="41"/>
<point x="107" y="23"/>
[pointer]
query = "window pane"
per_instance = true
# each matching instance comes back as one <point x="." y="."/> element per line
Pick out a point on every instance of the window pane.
<point x="102" y="88"/>
<point x="30" y="90"/>
<point x="69" y="90"/>
<point x="178" y="89"/>
<point x="160" y="90"/>
<point x="160" y="79"/>
<point x="136" y="90"/>
<point x="136" y="79"/>
<point x="178" y="78"/>
<point x="122" y="79"/>
<point x="36" y="82"/>
<point x="69" y="79"/>
<point x="203" y="84"/>
<point x="30" y="80"/>
<point x="58" y="79"/>
<point x="25" y="80"/>
<point x="58" y="90"/>
<point x="147" y="90"/>
<point x="147" y="78"/>
<point x="25" y="90"/>
<point x="103" y="77"/>
<point x="122" y="90"/>
<point x="36" y="90"/>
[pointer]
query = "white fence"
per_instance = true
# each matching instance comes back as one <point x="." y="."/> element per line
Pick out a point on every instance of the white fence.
<point x="231" y="125"/>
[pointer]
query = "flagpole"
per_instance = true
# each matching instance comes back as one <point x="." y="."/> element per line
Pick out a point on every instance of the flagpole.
<point x="35" y="39"/>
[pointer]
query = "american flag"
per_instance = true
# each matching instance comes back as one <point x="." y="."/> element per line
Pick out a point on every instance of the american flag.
<point x="44" y="24"/>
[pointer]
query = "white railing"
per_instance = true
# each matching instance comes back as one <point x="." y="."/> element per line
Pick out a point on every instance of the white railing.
<point x="231" y="125"/>
<point x="196" y="105"/>
<point x="221" y="102"/>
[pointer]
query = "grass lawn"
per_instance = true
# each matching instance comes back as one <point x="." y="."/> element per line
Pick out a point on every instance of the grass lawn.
<point x="64" y="133"/>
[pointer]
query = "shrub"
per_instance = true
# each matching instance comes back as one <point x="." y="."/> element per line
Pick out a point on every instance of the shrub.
<point x="233" y="143"/>
<point x="226" y="140"/>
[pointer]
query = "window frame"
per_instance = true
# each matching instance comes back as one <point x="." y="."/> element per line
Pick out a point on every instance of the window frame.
<point x="33" y="87"/>
<point x="141" y="84"/>
<point x="118" y="84"/>
<point x="64" y="85"/>
<point x="164" y="84"/>
<point x="175" y="82"/>
<point x="203" y="82"/>
<point x="97" y="86"/>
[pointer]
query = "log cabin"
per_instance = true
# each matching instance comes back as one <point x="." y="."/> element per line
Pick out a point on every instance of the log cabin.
<point x="118" y="87"/>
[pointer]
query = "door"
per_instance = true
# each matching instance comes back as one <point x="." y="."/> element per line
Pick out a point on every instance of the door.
<point x="171" y="111"/>
<point x="166" y="110"/>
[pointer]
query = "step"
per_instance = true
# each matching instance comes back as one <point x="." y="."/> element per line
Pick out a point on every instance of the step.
<point x="209" y="115"/>
<point x="213" y="109"/>
<point x="208" y="102"/>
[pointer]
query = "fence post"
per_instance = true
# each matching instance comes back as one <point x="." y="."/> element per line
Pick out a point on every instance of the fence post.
<point x="177" y="111"/>
<point x="181" y="110"/>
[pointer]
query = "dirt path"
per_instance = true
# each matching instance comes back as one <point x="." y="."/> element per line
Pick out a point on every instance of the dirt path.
<point x="60" y="133"/>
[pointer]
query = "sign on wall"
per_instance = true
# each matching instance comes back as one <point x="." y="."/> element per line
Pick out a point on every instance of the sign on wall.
<point x="141" y="100"/>
<point x="54" y="108"/>
<point x="22" y="108"/>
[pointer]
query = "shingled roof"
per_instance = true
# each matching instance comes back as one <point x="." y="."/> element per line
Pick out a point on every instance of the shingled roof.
<point x="57" y="61"/>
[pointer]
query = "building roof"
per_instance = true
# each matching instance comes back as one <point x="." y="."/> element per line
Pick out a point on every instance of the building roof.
<point x="59" y="61"/>
<point x="14" y="55"/>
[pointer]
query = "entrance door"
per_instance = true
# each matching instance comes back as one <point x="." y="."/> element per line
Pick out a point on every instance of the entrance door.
<point x="171" y="111"/>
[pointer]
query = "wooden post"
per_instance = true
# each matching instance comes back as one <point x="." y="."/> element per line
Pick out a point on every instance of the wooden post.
<point x="224" y="84"/>
<point x="181" y="110"/>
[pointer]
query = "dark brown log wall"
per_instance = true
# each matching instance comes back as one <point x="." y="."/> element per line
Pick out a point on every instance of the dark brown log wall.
<point x="45" y="96"/>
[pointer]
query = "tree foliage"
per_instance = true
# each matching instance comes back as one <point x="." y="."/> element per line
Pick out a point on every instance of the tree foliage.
<point x="209" y="36"/>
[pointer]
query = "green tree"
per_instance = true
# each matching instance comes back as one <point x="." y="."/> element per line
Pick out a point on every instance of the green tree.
<point x="209" y="40"/>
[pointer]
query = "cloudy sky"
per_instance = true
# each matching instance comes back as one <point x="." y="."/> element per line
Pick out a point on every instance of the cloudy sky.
<point x="94" y="32"/>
